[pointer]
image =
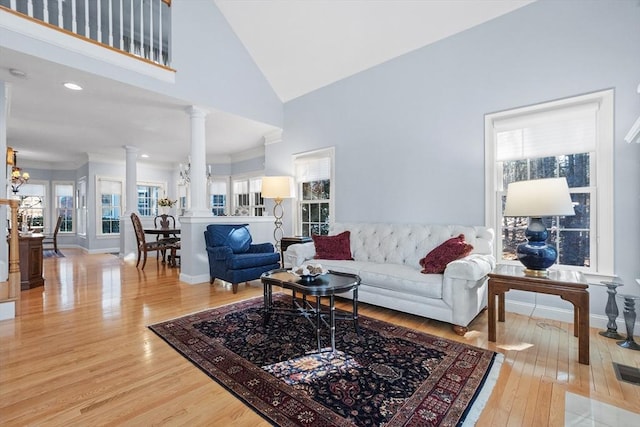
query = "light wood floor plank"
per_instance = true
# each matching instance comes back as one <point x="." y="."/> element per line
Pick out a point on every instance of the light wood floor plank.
<point x="81" y="354"/>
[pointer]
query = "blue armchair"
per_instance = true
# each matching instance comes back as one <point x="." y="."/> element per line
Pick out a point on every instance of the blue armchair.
<point x="232" y="256"/>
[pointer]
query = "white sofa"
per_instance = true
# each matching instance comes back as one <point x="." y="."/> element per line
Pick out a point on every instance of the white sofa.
<point x="387" y="256"/>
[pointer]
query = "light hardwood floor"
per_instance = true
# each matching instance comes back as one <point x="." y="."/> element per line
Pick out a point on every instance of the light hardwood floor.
<point x="81" y="355"/>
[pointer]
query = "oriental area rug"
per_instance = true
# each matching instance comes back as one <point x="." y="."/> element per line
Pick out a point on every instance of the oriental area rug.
<point x="385" y="375"/>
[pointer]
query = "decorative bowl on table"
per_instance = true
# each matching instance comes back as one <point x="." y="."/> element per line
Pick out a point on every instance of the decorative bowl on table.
<point x="309" y="272"/>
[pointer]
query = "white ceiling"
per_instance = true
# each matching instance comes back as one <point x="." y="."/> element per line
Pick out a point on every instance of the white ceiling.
<point x="300" y="46"/>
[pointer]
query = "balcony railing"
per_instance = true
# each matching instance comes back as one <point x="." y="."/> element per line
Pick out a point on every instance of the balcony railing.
<point x="139" y="27"/>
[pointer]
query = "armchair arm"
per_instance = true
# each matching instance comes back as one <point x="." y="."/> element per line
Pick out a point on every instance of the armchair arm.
<point x="261" y="248"/>
<point x="219" y="253"/>
<point x="473" y="267"/>
<point x="298" y="253"/>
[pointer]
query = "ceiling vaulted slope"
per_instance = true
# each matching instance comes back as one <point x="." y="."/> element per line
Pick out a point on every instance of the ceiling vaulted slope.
<point x="301" y="46"/>
<point x="295" y="47"/>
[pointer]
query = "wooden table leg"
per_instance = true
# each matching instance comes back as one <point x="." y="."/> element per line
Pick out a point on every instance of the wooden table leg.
<point x="491" y="305"/>
<point x="501" y="307"/>
<point x="583" y="329"/>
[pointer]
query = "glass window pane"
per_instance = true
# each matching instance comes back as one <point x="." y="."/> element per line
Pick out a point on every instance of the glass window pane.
<point x="515" y="170"/>
<point x="545" y="167"/>
<point x="574" y="248"/>
<point x="582" y="208"/>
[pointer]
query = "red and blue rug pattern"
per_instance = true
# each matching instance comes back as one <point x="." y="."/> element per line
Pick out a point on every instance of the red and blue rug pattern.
<point x="386" y="375"/>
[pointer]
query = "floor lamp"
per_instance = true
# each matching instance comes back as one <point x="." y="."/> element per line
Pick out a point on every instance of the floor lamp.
<point x="277" y="188"/>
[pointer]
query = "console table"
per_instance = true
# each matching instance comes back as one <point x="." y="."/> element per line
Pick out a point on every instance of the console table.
<point x="568" y="285"/>
<point x="30" y="249"/>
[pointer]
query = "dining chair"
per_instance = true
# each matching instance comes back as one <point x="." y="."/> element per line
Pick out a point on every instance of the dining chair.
<point x="143" y="246"/>
<point x="168" y="222"/>
<point x="51" y="242"/>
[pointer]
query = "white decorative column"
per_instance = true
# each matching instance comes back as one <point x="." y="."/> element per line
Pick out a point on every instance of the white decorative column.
<point x="128" y="242"/>
<point x="131" y="179"/>
<point x="198" y="178"/>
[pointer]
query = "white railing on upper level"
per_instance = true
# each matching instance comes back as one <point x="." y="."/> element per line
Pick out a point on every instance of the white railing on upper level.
<point x="139" y="27"/>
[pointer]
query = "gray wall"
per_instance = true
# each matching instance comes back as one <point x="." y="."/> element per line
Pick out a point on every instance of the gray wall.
<point x="409" y="134"/>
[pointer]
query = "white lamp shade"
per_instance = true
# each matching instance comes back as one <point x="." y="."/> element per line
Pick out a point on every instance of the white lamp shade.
<point x="277" y="187"/>
<point x="539" y="197"/>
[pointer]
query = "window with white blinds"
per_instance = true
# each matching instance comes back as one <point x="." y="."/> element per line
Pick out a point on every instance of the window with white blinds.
<point x="218" y="196"/>
<point x="571" y="138"/>
<point x="566" y="130"/>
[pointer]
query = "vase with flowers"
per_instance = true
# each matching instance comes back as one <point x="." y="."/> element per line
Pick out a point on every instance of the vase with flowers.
<point x="165" y="204"/>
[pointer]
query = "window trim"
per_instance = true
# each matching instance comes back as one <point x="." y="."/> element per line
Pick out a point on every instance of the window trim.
<point x="98" y="204"/>
<point x="162" y="191"/>
<point x="53" y="205"/>
<point x="603" y="230"/>
<point x="245" y="177"/>
<point x="322" y="152"/>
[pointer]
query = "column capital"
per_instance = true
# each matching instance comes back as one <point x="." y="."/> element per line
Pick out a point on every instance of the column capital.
<point x="131" y="148"/>
<point x="195" y="111"/>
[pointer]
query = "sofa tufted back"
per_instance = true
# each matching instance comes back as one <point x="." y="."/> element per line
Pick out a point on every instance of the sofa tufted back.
<point x="408" y="243"/>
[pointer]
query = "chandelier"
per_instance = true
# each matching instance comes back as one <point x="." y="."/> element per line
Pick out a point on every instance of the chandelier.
<point x="18" y="177"/>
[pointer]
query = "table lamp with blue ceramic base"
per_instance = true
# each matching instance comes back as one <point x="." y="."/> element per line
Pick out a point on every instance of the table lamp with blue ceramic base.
<point x="535" y="199"/>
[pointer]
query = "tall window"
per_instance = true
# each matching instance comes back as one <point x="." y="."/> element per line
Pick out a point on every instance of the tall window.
<point x="63" y="205"/>
<point x="314" y="183"/>
<point x="32" y="206"/>
<point x="247" y="197"/>
<point x="218" y="196"/>
<point x="148" y="196"/>
<point x="572" y="138"/>
<point x="109" y="193"/>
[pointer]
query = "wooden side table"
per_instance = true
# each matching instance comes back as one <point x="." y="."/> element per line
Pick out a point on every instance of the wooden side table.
<point x="31" y="263"/>
<point x="568" y="285"/>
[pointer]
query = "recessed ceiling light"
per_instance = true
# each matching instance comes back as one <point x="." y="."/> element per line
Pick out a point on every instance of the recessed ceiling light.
<point x="17" y="73"/>
<point x="72" y="86"/>
<point x="144" y="156"/>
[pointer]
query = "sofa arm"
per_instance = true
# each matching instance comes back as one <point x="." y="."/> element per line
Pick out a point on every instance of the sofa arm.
<point x="472" y="268"/>
<point x="298" y="253"/>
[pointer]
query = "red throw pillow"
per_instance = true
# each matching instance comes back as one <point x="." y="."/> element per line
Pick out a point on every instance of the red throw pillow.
<point x="333" y="247"/>
<point x="436" y="260"/>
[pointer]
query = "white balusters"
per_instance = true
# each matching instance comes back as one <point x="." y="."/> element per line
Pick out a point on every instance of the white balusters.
<point x="87" y="30"/>
<point x="60" y="18"/>
<point x="45" y="11"/>
<point x="151" y="31"/>
<point x="160" y="58"/>
<point x="136" y="25"/>
<point x="74" y="19"/>
<point x="110" y="23"/>
<point x="142" y="29"/>
<point x="99" y="13"/>
<point x="121" y="8"/>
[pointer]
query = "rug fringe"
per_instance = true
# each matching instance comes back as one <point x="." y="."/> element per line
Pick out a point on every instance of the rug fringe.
<point x="484" y="394"/>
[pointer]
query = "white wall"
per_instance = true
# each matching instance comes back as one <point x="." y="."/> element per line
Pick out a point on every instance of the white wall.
<point x="409" y="134"/>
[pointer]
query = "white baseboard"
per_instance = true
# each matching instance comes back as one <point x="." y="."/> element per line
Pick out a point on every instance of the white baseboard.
<point x="562" y="315"/>
<point x="192" y="280"/>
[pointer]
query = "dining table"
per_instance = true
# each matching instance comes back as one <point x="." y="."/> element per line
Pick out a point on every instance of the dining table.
<point x="167" y="233"/>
